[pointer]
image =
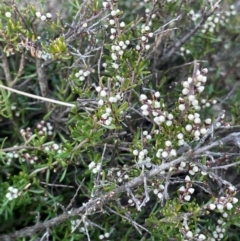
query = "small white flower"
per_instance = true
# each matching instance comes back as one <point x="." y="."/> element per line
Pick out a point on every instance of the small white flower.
<point x="107" y="235"/>
<point x="8" y="15"/>
<point x="112" y="37"/>
<point x="191" y="97"/>
<point x="170" y="116"/>
<point x="181" y="107"/>
<point x="120" y="52"/>
<point x="138" y="47"/>
<point x="122" y="24"/>
<point x="111" y="21"/>
<point x="180" y="136"/>
<point x="145" y="113"/>
<point x="162" y="118"/>
<point x="155" y="191"/>
<point x="147" y="28"/>
<point x="173" y="152"/>
<point x="195" y="102"/>
<point x="195" y="169"/>
<point x="150" y="35"/>
<point x="187" y="198"/>
<point x="169" y="123"/>
<point x="160" y="195"/>
<point x="81" y="78"/>
<point x="203" y="131"/>
<point x="229" y="206"/>
<point x="114" y="56"/>
<point x="143" y="97"/>
<point x="49" y="15"/>
<point x="190" y="116"/>
<point x="189" y="80"/>
<point x="234" y="200"/>
<point x="100" y="102"/>
<point x="101" y="237"/>
<point x="185" y="84"/>
<point x="220" y="207"/>
<point x="38" y="14"/>
<point x="91" y="165"/>
<point x="113" y="30"/>
<point x="43" y="17"/>
<point x="161" y="187"/>
<point x="189" y="234"/>
<point x="211" y="206"/>
<point x="191" y="190"/>
<point x="188" y="127"/>
<point x="147" y="47"/>
<point x="187" y="179"/>
<point x="182" y="189"/>
<point x="225" y="215"/>
<point x="185" y="91"/>
<point x="105" y="4"/>
<point x="113" y="13"/>
<point x="144" y="107"/>
<point x="135" y="152"/>
<point x="208" y="121"/>
<point x="168" y="143"/>
<point x="200" y="89"/>
<point x="183" y="164"/>
<point x="164" y="154"/>
<point x="112" y="99"/>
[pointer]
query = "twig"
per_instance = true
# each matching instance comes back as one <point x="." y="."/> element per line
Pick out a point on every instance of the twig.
<point x="6" y="69"/>
<point x="36" y="96"/>
<point x="20" y="71"/>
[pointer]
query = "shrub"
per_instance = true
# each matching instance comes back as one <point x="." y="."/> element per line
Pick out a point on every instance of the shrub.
<point x="111" y="128"/>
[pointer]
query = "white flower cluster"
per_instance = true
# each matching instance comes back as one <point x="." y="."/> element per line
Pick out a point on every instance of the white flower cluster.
<point x="121" y="176"/>
<point x="82" y="74"/>
<point x="169" y="151"/>
<point x="15" y="110"/>
<point x="191" y="167"/>
<point x="48" y="16"/>
<point x="156" y="108"/>
<point x="146" y="34"/>
<point x="159" y="191"/>
<point x="94" y="167"/>
<point x="197" y="86"/>
<point x="189" y="235"/>
<point x="117" y="51"/>
<point x="8" y="15"/>
<point x="105" y="99"/>
<point x="12" y="193"/>
<point x="10" y="156"/>
<point x="219" y="232"/>
<point x="184" y="51"/>
<point x="53" y="147"/>
<point x="45" y="128"/>
<point x="26" y="157"/>
<point x="104" y="236"/>
<point x="142" y="157"/>
<point x="187" y="190"/>
<point x="223" y="204"/>
<point x="214" y="20"/>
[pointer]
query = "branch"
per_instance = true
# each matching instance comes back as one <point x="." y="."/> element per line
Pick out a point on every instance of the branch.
<point x="98" y="202"/>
